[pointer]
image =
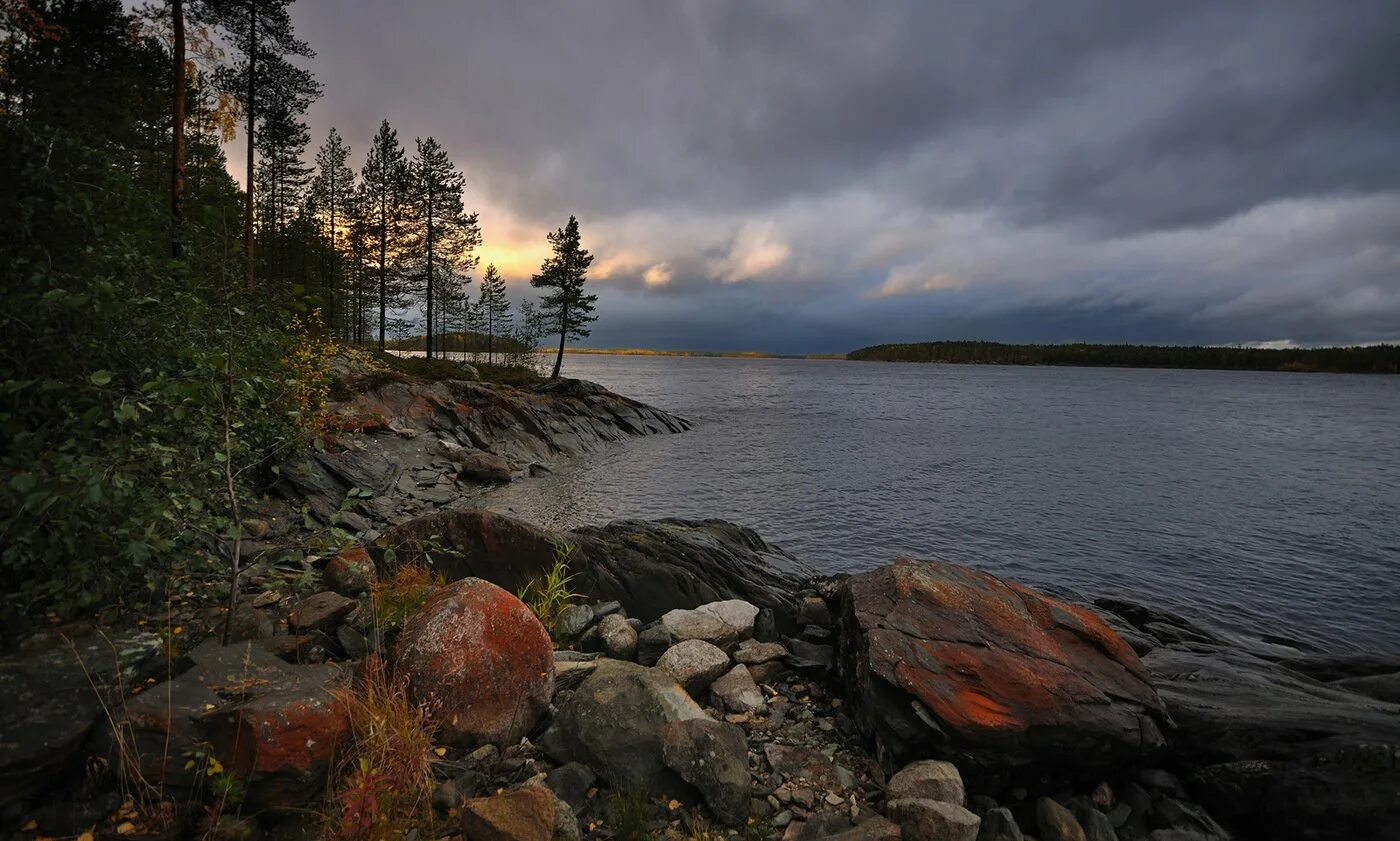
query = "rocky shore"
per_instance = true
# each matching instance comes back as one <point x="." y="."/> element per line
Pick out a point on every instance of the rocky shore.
<point x="697" y="683"/>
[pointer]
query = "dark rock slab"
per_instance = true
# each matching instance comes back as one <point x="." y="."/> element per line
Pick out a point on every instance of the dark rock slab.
<point x="649" y="567"/>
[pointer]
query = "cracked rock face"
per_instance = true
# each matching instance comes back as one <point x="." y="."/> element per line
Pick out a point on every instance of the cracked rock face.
<point x="945" y="660"/>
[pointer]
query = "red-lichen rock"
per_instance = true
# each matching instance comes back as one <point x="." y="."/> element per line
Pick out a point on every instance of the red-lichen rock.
<point x="946" y="661"/>
<point x="481" y="661"/>
<point x="351" y="572"/>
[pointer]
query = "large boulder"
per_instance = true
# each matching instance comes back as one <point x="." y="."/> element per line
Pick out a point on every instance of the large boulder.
<point x="613" y="724"/>
<point x="694" y="664"/>
<point x="53" y="694"/>
<point x="481" y="661"/>
<point x="650" y="567"/>
<point x="942" y="660"/>
<point x="724" y="623"/>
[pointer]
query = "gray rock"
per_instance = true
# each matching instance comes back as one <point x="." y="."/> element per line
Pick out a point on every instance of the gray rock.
<point x="1097" y="826"/>
<point x="570" y="782"/>
<point x="723" y="623"/>
<point x="736" y="691"/>
<point x="608" y="608"/>
<point x="713" y="757"/>
<point x="573" y="620"/>
<point x="877" y="828"/>
<point x="352" y="642"/>
<point x="753" y="652"/>
<point x="1171" y="813"/>
<point x="933" y="820"/>
<point x="618" y="637"/>
<point x="319" y="612"/>
<point x="765" y="626"/>
<point x="652" y="643"/>
<point x="694" y="664"/>
<point x="483" y="467"/>
<point x="999" y="825"/>
<point x="809" y="656"/>
<point x="928" y="779"/>
<point x="1055" y="822"/>
<point x="613" y="721"/>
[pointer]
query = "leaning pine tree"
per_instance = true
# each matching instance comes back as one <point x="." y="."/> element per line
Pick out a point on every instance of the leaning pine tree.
<point x="565" y="309"/>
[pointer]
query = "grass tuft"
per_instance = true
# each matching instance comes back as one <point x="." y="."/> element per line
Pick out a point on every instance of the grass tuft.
<point x="547" y="595"/>
<point x="398" y="598"/>
<point x="384" y="787"/>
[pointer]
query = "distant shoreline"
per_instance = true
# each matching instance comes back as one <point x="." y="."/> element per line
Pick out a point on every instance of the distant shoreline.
<point x="724" y="354"/>
<point x="1373" y="359"/>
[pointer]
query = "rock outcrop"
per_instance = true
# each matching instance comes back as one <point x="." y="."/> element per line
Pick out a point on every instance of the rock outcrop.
<point x="942" y="660"/>
<point x="1272" y="751"/>
<point x="649" y="567"/>
<point x="410" y="445"/>
<point x="481" y="662"/>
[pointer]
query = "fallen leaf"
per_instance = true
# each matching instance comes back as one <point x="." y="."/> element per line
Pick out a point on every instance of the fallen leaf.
<point x="126" y="828"/>
<point x="440" y="751"/>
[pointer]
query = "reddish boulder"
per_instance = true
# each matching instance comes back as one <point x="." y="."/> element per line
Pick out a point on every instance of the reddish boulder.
<point x="351" y="572"/>
<point x="319" y="612"/>
<point x="947" y="661"/>
<point x="481" y="661"/>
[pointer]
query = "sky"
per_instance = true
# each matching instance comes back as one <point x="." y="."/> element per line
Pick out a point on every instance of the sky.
<point x="812" y="176"/>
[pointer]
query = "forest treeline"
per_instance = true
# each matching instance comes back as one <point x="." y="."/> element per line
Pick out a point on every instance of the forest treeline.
<point x="1374" y="359"/>
<point x="166" y="334"/>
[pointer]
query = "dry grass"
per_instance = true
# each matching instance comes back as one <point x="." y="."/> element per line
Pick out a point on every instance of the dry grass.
<point x="385" y="784"/>
<point x="403" y="594"/>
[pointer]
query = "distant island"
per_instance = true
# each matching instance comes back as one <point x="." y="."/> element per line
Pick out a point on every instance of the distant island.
<point x="1374" y="359"/>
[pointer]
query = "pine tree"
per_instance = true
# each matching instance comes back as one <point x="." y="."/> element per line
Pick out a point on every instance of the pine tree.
<point x="385" y="183"/>
<point x="495" y="309"/>
<point x="331" y="190"/>
<point x="282" y="177"/>
<point x="443" y="235"/>
<point x="565" y="310"/>
<point x="261" y="30"/>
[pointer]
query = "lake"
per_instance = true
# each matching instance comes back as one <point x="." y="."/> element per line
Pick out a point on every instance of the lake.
<point x="1260" y="503"/>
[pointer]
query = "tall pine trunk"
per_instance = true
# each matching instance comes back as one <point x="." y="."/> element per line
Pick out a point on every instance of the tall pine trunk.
<point x="383" y="245"/>
<point x="177" y="131"/>
<point x="563" y="335"/>
<point x="430" y="274"/>
<point x="252" y="113"/>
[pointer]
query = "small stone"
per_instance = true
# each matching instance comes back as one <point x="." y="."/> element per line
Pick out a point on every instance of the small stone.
<point x="1158" y="780"/>
<point x="834" y="799"/>
<point x="351" y="572"/>
<point x="652" y="643"/>
<point x="527" y="814"/>
<point x="737" y="692"/>
<point x="999" y="825"/>
<point x="810" y="656"/>
<point x="812" y="610"/>
<point x="933" y="820"/>
<point x="573" y="620"/>
<point x="816" y="633"/>
<point x="619" y="638"/>
<point x="486" y="468"/>
<point x="782" y="819"/>
<point x="753" y="652"/>
<point x="1103" y="796"/>
<point x="723" y="623"/>
<point x="1056" y="823"/>
<point x="928" y="779"/>
<point x="352" y="642"/>
<point x="608" y="608"/>
<point x="319" y="612"/>
<point x="767" y="673"/>
<point x="765" y="626"/>
<point x="694" y="664"/>
<point x="1097" y="826"/>
<point x="570" y="782"/>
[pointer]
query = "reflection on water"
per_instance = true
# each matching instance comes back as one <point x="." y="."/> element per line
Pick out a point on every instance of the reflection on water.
<point x="1262" y="502"/>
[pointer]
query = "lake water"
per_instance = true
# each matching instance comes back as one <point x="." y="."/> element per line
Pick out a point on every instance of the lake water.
<point x="1258" y="502"/>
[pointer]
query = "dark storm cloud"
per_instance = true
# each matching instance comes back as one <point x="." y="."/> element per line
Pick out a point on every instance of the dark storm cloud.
<point x="988" y="165"/>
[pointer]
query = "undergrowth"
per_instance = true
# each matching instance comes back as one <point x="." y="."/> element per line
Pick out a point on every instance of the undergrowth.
<point x="383" y="788"/>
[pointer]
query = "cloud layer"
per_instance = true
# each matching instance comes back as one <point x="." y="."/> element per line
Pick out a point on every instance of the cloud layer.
<point x="810" y="176"/>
